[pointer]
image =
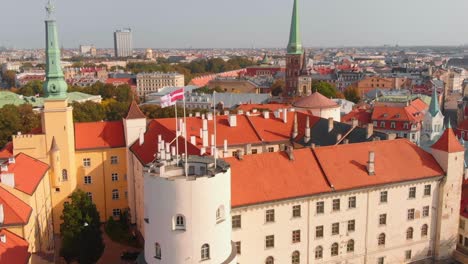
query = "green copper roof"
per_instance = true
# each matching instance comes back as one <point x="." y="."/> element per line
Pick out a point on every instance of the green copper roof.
<point x="7" y="97"/>
<point x="55" y="87"/>
<point x="295" y="44"/>
<point x="434" y="106"/>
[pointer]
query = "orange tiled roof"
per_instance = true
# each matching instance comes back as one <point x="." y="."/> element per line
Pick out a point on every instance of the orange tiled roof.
<point x="315" y="101"/>
<point x="327" y="169"/>
<point x="271" y="107"/>
<point x="362" y="115"/>
<point x="96" y="135"/>
<point x="28" y="172"/>
<point x="134" y="112"/>
<point x="7" y="151"/>
<point x="16" y="211"/>
<point x="15" y="250"/>
<point x="448" y="142"/>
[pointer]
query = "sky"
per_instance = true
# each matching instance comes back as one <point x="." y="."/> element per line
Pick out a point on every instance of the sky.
<point x="237" y="24"/>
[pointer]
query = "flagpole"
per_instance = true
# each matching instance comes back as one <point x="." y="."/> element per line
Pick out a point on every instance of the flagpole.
<point x="215" y="150"/>
<point x="177" y="135"/>
<point x="185" y="138"/>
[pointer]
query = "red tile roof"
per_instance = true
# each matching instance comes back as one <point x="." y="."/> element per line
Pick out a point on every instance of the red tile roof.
<point x="15" y="250"/>
<point x="362" y="115"/>
<point x="7" y="151"/>
<point x="270" y="107"/>
<point x="204" y="80"/>
<point x="28" y="172"/>
<point x="16" y="211"/>
<point x="448" y="142"/>
<point x="96" y="135"/>
<point x="134" y="112"/>
<point x="318" y="170"/>
<point x="315" y="101"/>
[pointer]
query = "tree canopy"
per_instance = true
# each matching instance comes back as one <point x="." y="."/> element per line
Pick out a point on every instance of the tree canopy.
<point x="9" y="77"/>
<point x="80" y="231"/>
<point x="14" y="119"/>
<point x="277" y="87"/>
<point x="352" y="94"/>
<point x="324" y="88"/>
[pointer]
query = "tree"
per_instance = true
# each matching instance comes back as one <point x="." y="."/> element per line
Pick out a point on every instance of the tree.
<point x="324" y="88"/>
<point x="32" y="88"/>
<point x="14" y="119"/>
<point x="277" y="87"/>
<point x="88" y="112"/>
<point x="116" y="110"/>
<point x="352" y="94"/>
<point x="206" y="90"/>
<point x="9" y="77"/>
<point x="80" y="231"/>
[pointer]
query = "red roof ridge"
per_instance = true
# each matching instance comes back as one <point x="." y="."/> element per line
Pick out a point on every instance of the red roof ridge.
<point x="448" y="142"/>
<point x="134" y="112"/>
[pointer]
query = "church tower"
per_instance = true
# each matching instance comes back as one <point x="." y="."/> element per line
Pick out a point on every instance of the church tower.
<point x="433" y="121"/>
<point x="57" y="122"/>
<point x="294" y="56"/>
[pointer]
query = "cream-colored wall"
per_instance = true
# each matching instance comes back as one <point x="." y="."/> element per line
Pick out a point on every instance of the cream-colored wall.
<point x="366" y="214"/>
<point x="102" y="185"/>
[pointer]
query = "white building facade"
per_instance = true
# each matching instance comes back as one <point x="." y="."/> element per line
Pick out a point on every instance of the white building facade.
<point x="153" y="82"/>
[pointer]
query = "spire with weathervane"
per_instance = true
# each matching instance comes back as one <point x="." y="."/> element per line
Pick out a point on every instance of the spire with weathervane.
<point x="55" y="87"/>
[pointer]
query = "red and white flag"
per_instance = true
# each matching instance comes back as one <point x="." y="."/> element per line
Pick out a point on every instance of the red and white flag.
<point x="172" y="98"/>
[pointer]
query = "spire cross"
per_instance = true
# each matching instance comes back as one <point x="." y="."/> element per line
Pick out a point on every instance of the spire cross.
<point x="49" y="9"/>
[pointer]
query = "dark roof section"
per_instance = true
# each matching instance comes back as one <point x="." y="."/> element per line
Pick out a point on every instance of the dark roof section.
<point x="134" y="112"/>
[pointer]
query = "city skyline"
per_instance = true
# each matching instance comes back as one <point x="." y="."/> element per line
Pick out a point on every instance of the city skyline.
<point x="259" y="24"/>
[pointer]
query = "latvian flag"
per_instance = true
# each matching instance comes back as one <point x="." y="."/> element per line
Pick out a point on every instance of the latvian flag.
<point x="172" y="98"/>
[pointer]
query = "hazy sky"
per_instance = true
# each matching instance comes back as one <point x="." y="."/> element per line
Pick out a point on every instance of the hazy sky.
<point x="239" y="23"/>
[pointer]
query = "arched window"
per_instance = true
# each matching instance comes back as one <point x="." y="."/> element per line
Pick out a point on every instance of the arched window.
<point x="409" y="233"/>
<point x="115" y="194"/>
<point x="269" y="260"/>
<point x="334" y="249"/>
<point x="318" y="252"/>
<point x="157" y="251"/>
<point x="381" y="239"/>
<point x="220" y="213"/>
<point x="424" y="230"/>
<point x="64" y="175"/>
<point x="350" y="246"/>
<point x="205" y="252"/>
<point x="296" y="257"/>
<point x="179" y="222"/>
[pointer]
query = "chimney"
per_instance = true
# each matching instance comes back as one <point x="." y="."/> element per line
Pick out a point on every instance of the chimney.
<point x="2" y="215"/>
<point x="203" y="116"/>
<point x="226" y="112"/>
<point x="290" y="152"/>
<point x="212" y="140"/>
<point x="168" y="151"/>
<point x="202" y="151"/>
<point x="248" y="149"/>
<point x="346" y="141"/>
<point x="209" y="116"/>
<point x="193" y="140"/>
<point x="266" y="114"/>
<point x="330" y="124"/>
<point x="240" y="154"/>
<point x="232" y="120"/>
<point x="8" y="179"/>
<point x="354" y="122"/>
<point x="197" y="114"/>
<point x="371" y="163"/>
<point x="225" y="148"/>
<point x="11" y="160"/>
<point x="205" y="133"/>
<point x="391" y="136"/>
<point x="190" y="115"/>
<point x="285" y="115"/>
<point x="254" y="111"/>
<point x="338" y="138"/>
<point x="370" y="130"/>
<point x="307" y="130"/>
<point x="312" y="145"/>
<point x="4" y="167"/>
<point x="173" y="151"/>
<point x="240" y="112"/>
<point x="277" y="114"/>
<point x="247" y="113"/>
<point x="295" y="127"/>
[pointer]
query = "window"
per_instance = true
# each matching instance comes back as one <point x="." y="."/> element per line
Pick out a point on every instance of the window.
<point x="115" y="177"/>
<point x="412" y="192"/>
<point x="220" y="213"/>
<point x="424" y="230"/>
<point x="383" y="219"/>
<point x="380" y="260"/>
<point x="179" y="222"/>
<point x="320" y="207"/>
<point x="296" y="257"/>
<point x="352" y="202"/>
<point x="86" y="162"/>
<point x="270" y="241"/>
<point x="466" y="242"/>
<point x="425" y="211"/>
<point x="90" y="195"/>
<point x="334" y="249"/>
<point x="238" y="247"/>
<point x="383" y="197"/>
<point x="236" y="221"/>
<point x="271" y="149"/>
<point x="116" y="212"/>
<point x="115" y="194"/>
<point x="409" y="233"/>
<point x="64" y="175"/>
<point x="381" y="240"/>
<point x="269" y="260"/>
<point x="427" y="190"/>
<point x="318" y="252"/>
<point x="406" y="126"/>
<point x="408" y="254"/>
<point x="336" y="204"/>
<point x="350" y="246"/>
<point x="382" y="124"/>
<point x="296" y="211"/>
<point x="410" y="214"/>
<point x="460" y="239"/>
<point x="157" y="251"/>
<point x="392" y="125"/>
<point x="335" y="228"/>
<point x="351" y="225"/>
<point x="461" y="224"/>
<point x="296" y="236"/>
<point x="87" y="180"/>
<point x="205" y="252"/>
<point x="254" y="151"/>
<point x="270" y="215"/>
<point x="375" y="123"/>
<point x="319" y="232"/>
<point x="114" y="160"/>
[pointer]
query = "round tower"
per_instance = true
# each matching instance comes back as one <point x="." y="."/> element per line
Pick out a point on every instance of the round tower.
<point x="188" y="212"/>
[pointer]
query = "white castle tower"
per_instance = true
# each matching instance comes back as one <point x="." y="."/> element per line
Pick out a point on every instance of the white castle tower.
<point x="187" y="217"/>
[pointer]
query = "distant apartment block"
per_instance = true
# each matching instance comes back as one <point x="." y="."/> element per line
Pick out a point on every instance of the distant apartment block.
<point x="123" y="43"/>
<point x="153" y="82"/>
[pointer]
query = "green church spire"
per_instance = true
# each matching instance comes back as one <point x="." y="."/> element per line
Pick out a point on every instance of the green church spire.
<point x="295" y="44"/>
<point x="55" y="87"/>
<point x="434" y="106"/>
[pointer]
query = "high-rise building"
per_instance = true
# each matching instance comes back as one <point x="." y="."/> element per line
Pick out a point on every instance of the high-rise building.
<point x="123" y="43"/>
